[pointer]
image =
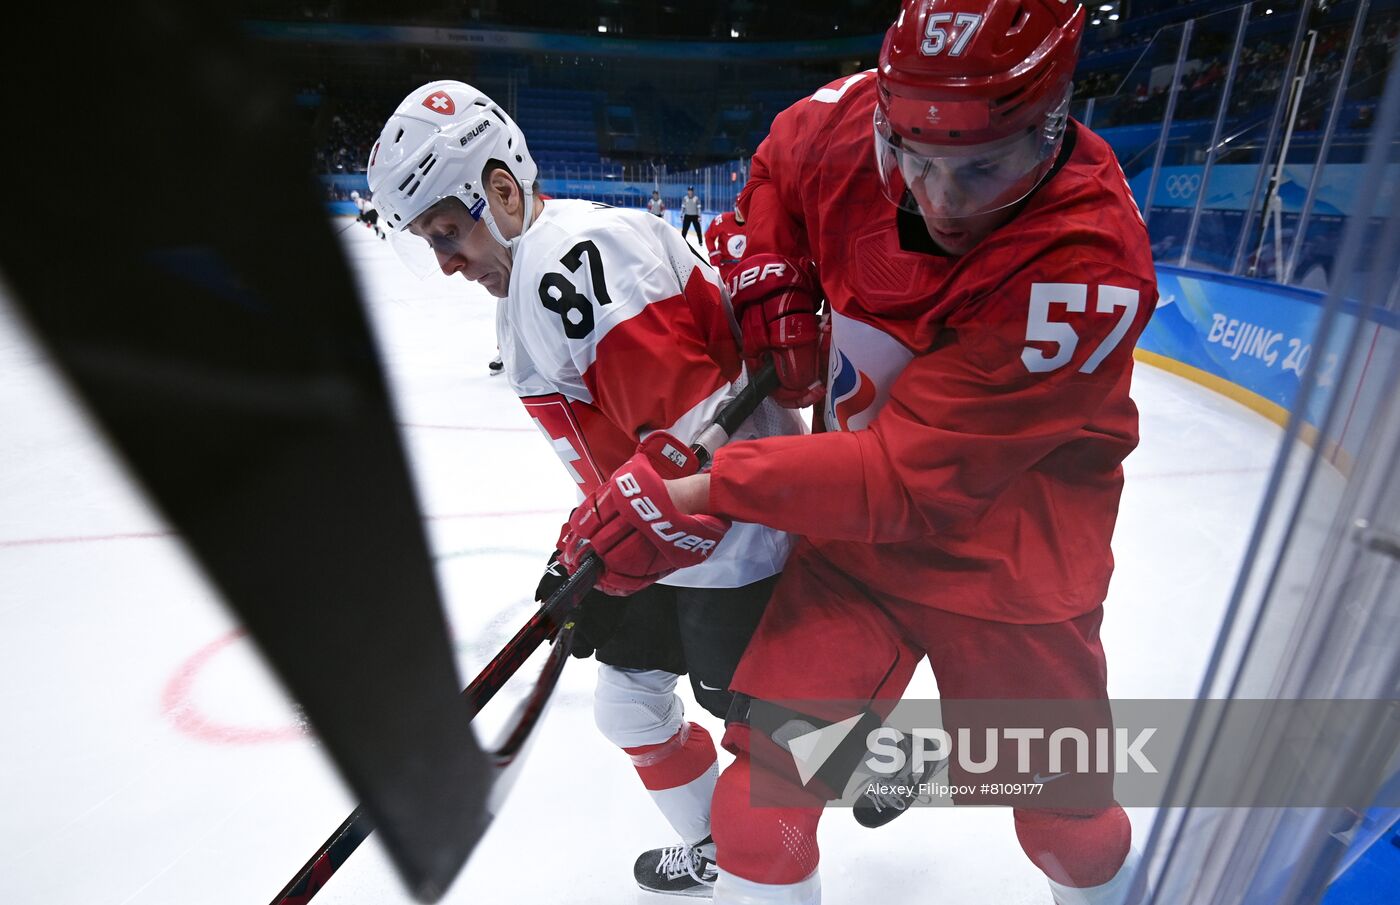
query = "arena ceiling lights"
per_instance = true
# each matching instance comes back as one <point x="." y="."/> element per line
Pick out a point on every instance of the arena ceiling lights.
<point x="1109" y="11"/>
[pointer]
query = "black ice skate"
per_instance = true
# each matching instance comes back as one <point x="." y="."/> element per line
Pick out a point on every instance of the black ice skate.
<point x="680" y="870"/>
<point x="496" y="366"/>
<point x="875" y="808"/>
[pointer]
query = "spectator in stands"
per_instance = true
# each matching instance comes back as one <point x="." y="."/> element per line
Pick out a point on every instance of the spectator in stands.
<point x="690" y="214"/>
<point x="656" y="206"/>
<point x="1208" y="75"/>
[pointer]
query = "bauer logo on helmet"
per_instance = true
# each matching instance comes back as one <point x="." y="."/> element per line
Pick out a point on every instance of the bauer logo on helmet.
<point x="480" y="127"/>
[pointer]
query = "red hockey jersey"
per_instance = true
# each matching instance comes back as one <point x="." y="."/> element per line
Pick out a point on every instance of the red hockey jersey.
<point x="726" y="243"/>
<point x="978" y="405"/>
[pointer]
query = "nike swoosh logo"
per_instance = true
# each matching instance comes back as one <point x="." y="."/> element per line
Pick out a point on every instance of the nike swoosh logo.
<point x="709" y="687"/>
<point x="1051" y="778"/>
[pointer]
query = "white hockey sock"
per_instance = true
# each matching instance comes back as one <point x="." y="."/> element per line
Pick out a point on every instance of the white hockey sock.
<point x="732" y="890"/>
<point x="687" y="807"/>
<point x="1121" y="890"/>
<point x="639" y="712"/>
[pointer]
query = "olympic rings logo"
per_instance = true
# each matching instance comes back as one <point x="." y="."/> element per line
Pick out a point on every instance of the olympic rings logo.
<point x="1183" y="185"/>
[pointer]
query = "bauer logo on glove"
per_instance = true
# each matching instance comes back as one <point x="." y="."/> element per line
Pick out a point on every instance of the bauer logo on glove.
<point x="777" y="302"/>
<point x="662" y="529"/>
<point x="750" y="275"/>
<point x="634" y="527"/>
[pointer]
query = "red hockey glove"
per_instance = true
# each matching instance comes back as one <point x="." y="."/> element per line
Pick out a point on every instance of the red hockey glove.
<point x="633" y="526"/>
<point x="776" y="301"/>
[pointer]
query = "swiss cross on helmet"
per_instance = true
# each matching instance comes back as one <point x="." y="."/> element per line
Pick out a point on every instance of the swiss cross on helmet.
<point x="972" y="99"/>
<point x="440" y="102"/>
<point x="437" y="145"/>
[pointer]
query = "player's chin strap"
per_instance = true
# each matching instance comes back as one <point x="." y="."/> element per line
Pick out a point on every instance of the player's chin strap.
<point x="527" y="195"/>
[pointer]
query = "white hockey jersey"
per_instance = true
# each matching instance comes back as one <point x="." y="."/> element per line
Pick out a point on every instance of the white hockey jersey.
<point x="614" y="328"/>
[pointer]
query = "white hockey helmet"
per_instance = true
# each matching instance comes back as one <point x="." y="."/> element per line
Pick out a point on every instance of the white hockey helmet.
<point x="354" y="196"/>
<point x="437" y="145"/>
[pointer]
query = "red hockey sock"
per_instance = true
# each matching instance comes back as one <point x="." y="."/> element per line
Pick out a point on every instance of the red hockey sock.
<point x="774" y="845"/>
<point x="1075" y="849"/>
<point x="676" y="761"/>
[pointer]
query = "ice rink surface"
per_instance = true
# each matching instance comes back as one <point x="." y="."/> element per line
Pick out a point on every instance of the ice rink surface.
<point x="148" y="758"/>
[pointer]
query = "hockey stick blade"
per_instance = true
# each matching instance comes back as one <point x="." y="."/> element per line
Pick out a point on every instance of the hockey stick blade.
<point x="550" y="618"/>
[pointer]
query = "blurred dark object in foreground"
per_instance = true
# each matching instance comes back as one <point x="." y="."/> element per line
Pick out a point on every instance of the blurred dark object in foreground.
<point x="174" y="255"/>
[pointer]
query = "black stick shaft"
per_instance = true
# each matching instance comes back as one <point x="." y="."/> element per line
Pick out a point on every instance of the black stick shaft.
<point x="356" y="828"/>
<point x="734" y="413"/>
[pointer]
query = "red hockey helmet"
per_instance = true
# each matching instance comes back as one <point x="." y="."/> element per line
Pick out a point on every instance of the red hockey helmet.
<point x="973" y="95"/>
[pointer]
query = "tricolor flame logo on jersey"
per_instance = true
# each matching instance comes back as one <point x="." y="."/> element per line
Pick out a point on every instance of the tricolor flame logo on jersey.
<point x="852" y="392"/>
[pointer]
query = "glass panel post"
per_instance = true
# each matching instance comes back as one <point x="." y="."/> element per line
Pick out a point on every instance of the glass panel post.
<point x="1181" y="50"/>
<point x="1333" y="115"/>
<point x="1213" y="148"/>
<point x="1276" y="121"/>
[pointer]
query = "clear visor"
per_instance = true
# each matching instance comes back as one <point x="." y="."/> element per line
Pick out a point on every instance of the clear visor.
<point x="948" y="182"/>
<point x="442" y="232"/>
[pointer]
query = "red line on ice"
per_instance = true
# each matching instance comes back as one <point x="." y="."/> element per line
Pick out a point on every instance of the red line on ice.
<point x="154" y="535"/>
<point x="467" y="427"/>
<point x="46" y="541"/>
<point x="437" y="518"/>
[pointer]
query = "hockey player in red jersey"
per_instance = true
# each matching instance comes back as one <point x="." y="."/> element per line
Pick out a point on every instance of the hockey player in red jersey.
<point x="987" y="275"/>
<point x="726" y="242"/>
<point x="612" y="331"/>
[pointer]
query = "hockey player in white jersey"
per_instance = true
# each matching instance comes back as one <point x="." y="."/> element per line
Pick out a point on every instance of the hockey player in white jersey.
<point x="367" y="213"/>
<point x="613" y="331"/>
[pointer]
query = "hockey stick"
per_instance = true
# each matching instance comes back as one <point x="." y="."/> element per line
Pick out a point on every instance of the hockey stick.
<point x="551" y="617"/>
<point x="357" y="827"/>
